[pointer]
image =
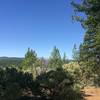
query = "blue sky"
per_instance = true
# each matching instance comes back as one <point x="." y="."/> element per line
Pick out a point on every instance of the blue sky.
<point x="38" y="24"/>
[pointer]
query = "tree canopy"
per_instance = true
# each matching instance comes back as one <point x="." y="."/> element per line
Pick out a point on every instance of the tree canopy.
<point x="90" y="48"/>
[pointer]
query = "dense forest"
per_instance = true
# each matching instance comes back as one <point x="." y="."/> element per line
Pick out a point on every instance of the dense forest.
<point x="57" y="78"/>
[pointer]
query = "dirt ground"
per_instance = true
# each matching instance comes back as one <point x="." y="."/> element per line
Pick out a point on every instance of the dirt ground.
<point x="92" y="93"/>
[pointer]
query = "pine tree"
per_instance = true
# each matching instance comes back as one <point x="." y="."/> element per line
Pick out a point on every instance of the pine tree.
<point x="30" y="60"/>
<point x="55" y="60"/>
<point x="90" y="49"/>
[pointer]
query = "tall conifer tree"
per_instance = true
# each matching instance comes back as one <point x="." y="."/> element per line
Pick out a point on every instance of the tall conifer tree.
<point x="55" y="60"/>
<point x="90" y="49"/>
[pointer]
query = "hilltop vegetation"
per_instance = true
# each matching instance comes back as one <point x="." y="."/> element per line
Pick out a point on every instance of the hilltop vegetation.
<point x="38" y="79"/>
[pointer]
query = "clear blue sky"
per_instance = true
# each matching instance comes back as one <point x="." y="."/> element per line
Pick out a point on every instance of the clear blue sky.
<point x="38" y="24"/>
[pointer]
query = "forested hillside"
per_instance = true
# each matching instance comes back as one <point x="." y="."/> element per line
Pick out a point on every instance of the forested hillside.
<point x="10" y="61"/>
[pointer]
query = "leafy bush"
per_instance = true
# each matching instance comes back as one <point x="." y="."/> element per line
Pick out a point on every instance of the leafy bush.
<point x="61" y="85"/>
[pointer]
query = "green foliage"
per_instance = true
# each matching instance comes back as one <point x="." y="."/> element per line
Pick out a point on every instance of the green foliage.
<point x="60" y="85"/>
<point x="10" y="62"/>
<point x="13" y="83"/>
<point x="74" y="69"/>
<point x="90" y="49"/>
<point x="30" y="60"/>
<point x="55" y="60"/>
<point x="54" y="85"/>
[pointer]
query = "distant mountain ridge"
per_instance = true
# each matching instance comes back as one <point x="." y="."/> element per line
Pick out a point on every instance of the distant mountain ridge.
<point x="4" y="57"/>
<point x="10" y="61"/>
